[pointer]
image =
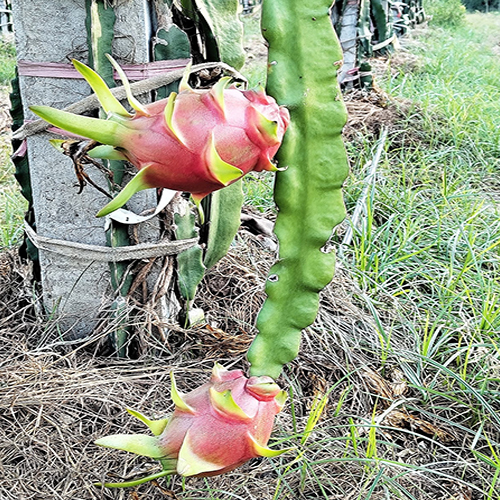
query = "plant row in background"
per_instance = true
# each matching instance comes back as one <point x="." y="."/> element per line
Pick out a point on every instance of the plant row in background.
<point x="369" y="28"/>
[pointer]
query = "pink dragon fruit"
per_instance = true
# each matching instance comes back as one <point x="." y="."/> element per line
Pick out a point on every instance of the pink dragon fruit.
<point x="214" y="428"/>
<point x="196" y="141"/>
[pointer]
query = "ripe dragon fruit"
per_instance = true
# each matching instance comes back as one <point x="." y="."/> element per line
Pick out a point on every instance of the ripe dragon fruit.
<point x="214" y="428"/>
<point x="197" y="141"/>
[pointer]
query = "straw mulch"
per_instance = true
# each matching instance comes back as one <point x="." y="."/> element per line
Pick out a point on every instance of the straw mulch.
<point x="57" y="396"/>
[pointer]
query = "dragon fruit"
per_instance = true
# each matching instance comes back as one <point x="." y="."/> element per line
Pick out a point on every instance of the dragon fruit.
<point x="214" y="428"/>
<point x="196" y="141"/>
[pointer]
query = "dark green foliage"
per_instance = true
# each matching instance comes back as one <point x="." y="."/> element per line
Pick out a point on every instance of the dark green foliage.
<point x="173" y="43"/>
<point x="364" y="33"/>
<point x="100" y="22"/>
<point x="482" y="5"/>
<point x="22" y="175"/>
<point x="100" y="38"/>
<point x="220" y="29"/>
<point x="225" y="210"/>
<point x="222" y="33"/>
<point x="382" y="19"/>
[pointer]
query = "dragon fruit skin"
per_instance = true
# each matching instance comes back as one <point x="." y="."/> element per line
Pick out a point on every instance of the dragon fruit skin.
<point x="214" y="428"/>
<point x="196" y="141"/>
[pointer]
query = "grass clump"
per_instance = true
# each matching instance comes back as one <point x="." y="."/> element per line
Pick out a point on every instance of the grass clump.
<point x="255" y="68"/>
<point x="12" y="203"/>
<point x="446" y="13"/>
<point x="7" y="61"/>
<point x="458" y="97"/>
<point x="427" y="256"/>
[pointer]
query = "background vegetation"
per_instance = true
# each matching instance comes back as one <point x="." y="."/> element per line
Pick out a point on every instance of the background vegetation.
<point x="427" y="257"/>
<point x="422" y="273"/>
<point x="482" y="5"/>
<point x="12" y="204"/>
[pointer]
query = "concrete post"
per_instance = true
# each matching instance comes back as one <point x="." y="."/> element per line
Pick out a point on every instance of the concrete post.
<point x="73" y="289"/>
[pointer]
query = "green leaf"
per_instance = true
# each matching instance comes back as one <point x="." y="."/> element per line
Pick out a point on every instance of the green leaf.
<point x="222" y="18"/>
<point x="264" y="451"/>
<point x="100" y="23"/>
<point x="108" y="101"/>
<point x="139" y="108"/>
<point x="155" y="426"/>
<point x="178" y="397"/>
<point x="217" y="92"/>
<point x="136" y="184"/>
<point x="225" y="212"/>
<point x="139" y="444"/>
<point x="103" y="131"/>
<point x="224" y="172"/>
<point x="381" y="15"/>
<point x="224" y="403"/>
<point x="106" y="153"/>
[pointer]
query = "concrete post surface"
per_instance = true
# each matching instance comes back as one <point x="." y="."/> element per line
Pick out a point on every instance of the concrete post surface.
<point x="55" y="31"/>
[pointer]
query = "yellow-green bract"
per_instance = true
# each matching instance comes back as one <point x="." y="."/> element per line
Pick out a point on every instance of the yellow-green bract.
<point x="304" y="56"/>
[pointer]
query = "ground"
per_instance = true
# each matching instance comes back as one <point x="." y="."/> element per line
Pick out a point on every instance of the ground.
<point x="377" y="436"/>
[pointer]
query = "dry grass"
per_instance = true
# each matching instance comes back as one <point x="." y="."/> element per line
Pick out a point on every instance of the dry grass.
<point x="56" y="398"/>
<point x="369" y="112"/>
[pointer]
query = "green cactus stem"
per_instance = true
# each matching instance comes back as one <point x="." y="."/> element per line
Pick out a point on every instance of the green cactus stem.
<point x="364" y="32"/>
<point x="171" y="43"/>
<point x="190" y="268"/>
<point x="304" y="57"/>
<point x="219" y="27"/>
<point x="22" y="175"/>
<point x="381" y="13"/>
<point x="100" y="22"/>
<point x="225" y="213"/>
